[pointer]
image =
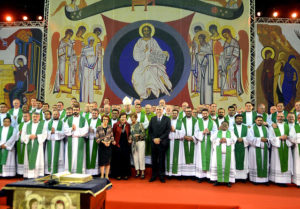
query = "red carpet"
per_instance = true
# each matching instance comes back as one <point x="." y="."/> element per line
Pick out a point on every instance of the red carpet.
<point x="187" y="194"/>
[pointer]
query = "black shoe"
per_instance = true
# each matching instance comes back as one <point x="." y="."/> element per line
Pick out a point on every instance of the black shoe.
<point x="298" y="187"/>
<point x="282" y="185"/>
<point x="200" y="180"/>
<point x="137" y="175"/>
<point x="216" y="183"/>
<point x="228" y="184"/>
<point x="267" y="184"/>
<point x="153" y="178"/>
<point x="118" y="178"/>
<point x="162" y="179"/>
<point x="125" y="177"/>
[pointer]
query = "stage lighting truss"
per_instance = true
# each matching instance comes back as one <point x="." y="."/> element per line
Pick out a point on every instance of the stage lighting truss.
<point x="252" y="53"/>
<point x="39" y="24"/>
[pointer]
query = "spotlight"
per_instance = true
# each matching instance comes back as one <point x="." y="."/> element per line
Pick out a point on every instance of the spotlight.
<point x="25" y="18"/>
<point x="8" y="18"/>
<point x="275" y="14"/>
<point x="40" y="17"/>
<point x="294" y="15"/>
<point x="258" y="14"/>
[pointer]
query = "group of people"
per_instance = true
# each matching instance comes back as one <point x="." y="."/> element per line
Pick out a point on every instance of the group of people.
<point x="201" y="143"/>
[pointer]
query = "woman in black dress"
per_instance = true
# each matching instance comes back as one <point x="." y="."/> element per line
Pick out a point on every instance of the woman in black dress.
<point x="104" y="137"/>
<point x="121" y="150"/>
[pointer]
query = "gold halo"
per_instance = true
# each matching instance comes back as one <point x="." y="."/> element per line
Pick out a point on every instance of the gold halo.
<point x="63" y="199"/>
<point x="86" y="37"/>
<point x="265" y="49"/>
<point x="232" y="30"/>
<point x="207" y="35"/>
<point x="34" y="196"/>
<point x="149" y="25"/>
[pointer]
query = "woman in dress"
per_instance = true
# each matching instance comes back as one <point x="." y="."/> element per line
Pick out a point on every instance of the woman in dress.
<point x="104" y="137"/>
<point x="138" y="145"/>
<point x="121" y="150"/>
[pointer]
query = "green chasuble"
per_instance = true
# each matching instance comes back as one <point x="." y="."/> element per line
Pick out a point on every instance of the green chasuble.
<point x="62" y="115"/>
<point x="57" y="144"/>
<point x="239" y="150"/>
<point x="180" y="116"/>
<point x="91" y="161"/>
<point x="32" y="148"/>
<point x="205" y="147"/>
<point x="262" y="166"/>
<point x="283" y="150"/>
<point x="274" y="115"/>
<point x="81" y="142"/>
<point x="4" y="152"/>
<point x="19" y="116"/>
<point x="224" y="178"/>
<point x="175" y="151"/>
<point x="254" y="115"/>
<point x="148" y="140"/>
<point x="20" y="147"/>
<point x="217" y="121"/>
<point x="189" y="151"/>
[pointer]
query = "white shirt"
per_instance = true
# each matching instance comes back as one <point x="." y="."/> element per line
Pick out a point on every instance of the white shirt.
<point x="249" y="119"/>
<point x="189" y="126"/>
<point x="16" y="112"/>
<point x="4" y="135"/>
<point x="113" y="122"/>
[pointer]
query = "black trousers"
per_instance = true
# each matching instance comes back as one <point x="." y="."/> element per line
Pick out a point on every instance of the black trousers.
<point x="158" y="156"/>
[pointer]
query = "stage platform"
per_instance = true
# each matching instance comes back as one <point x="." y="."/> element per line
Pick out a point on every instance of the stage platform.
<point x="188" y="194"/>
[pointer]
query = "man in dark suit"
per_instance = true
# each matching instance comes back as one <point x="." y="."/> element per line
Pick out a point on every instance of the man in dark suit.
<point x="159" y="129"/>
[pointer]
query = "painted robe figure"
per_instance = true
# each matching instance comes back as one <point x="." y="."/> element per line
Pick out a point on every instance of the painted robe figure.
<point x="88" y="69"/>
<point x="150" y="75"/>
<point x="230" y="67"/>
<point x="65" y="55"/>
<point x="289" y="86"/>
<point x="205" y="63"/>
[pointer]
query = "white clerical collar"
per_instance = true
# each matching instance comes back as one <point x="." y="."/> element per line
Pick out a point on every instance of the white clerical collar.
<point x="248" y="112"/>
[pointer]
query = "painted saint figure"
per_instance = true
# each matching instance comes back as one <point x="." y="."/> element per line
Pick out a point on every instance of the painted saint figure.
<point x="230" y="67"/>
<point x="290" y="81"/>
<point x="278" y="78"/>
<point x="267" y="77"/>
<point x="217" y="48"/>
<point x="66" y="66"/>
<point x="194" y="51"/>
<point x="98" y="72"/>
<point x="150" y="75"/>
<point x="21" y="79"/>
<point x="205" y="63"/>
<point x="88" y="68"/>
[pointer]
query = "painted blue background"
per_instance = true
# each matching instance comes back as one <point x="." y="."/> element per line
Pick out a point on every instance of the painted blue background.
<point x="127" y="64"/>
